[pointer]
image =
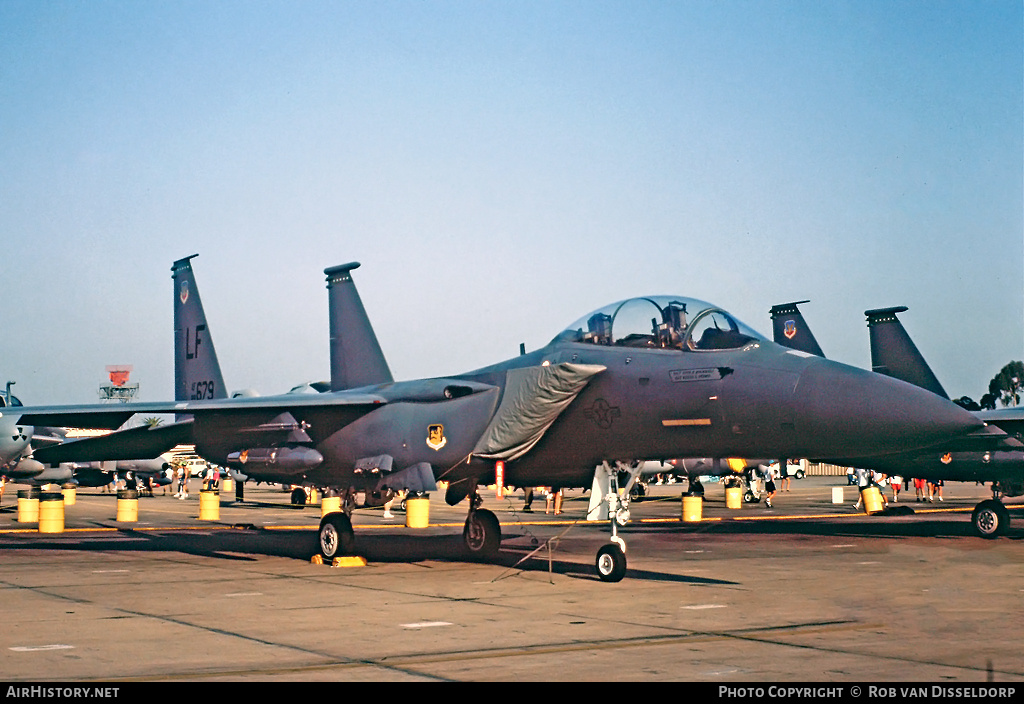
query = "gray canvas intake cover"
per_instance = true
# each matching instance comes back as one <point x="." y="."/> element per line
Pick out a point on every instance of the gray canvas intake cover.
<point x="534" y="397"/>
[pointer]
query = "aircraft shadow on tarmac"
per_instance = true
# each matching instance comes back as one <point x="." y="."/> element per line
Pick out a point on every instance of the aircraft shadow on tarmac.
<point x="247" y="543"/>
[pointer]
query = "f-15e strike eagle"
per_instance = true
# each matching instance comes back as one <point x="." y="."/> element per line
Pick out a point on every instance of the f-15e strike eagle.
<point x="648" y="378"/>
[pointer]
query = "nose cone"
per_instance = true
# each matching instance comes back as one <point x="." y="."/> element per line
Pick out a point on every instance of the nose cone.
<point x="845" y="412"/>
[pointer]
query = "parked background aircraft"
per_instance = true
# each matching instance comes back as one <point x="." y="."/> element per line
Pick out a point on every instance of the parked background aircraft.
<point x="15" y="436"/>
<point x="893" y="353"/>
<point x="17" y="441"/>
<point x="654" y="377"/>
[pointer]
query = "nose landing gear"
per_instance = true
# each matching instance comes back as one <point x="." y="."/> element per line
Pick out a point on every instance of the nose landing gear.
<point x="611" y="558"/>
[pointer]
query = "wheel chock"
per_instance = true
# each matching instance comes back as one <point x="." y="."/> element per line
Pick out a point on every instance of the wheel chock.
<point x="349" y="561"/>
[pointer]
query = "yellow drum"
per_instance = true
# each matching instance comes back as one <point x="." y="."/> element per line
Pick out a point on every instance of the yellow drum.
<point x="227" y="485"/>
<point x="51" y="512"/>
<point x="417" y="512"/>
<point x="734" y="497"/>
<point x="693" y="507"/>
<point x="28" y="506"/>
<point x="330" y="504"/>
<point x="872" y="500"/>
<point x="209" y="505"/>
<point x="69" y="494"/>
<point x="127" y="506"/>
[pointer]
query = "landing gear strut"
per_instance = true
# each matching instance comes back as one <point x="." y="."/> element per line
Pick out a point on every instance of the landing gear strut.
<point x="611" y="558"/>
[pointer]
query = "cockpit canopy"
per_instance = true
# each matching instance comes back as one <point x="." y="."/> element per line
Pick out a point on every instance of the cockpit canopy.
<point x="667" y="322"/>
<point x="12" y="401"/>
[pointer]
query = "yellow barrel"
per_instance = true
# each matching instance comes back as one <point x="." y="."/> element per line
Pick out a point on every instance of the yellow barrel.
<point x="69" y="494"/>
<point x="28" y="506"/>
<point x="734" y="497"/>
<point x="872" y="500"/>
<point x="693" y="506"/>
<point x="313" y="497"/>
<point x="209" y="505"/>
<point x="127" y="505"/>
<point x="51" y="512"/>
<point x="417" y="512"/>
<point x="330" y="504"/>
<point x="227" y="485"/>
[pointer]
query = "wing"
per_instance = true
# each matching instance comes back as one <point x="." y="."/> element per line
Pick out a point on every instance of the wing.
<point x="252" y="418"/>
<point x="108" y="416"/>
<point x="130" y="444"/>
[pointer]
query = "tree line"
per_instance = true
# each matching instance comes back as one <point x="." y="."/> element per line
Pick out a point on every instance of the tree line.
<point x="1005" y="388"/>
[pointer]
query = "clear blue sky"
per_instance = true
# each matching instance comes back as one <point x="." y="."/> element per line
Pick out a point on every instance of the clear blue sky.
<point x="500" y="169"/>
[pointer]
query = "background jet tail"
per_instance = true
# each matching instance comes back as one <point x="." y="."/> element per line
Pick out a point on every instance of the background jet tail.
<point x="356" y="357"/>
<point x="894" y="354"/>
<point x="196" y="370"/>
<point x="791" y="330"/>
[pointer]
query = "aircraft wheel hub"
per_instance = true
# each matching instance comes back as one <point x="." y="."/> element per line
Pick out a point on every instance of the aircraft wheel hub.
<point x="475" y="536"/>
<point x="329" y="539"/>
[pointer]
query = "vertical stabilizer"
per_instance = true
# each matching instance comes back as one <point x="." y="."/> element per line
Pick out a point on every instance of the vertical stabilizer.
<point x="356" y="357"/>
<point x="196" y="370"/>
<point x="894" y="354"/>
<point x="791" y="330"/>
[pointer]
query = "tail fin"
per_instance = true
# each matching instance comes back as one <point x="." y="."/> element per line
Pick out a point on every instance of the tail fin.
<point x="196" y="371"/>
<point x="791" y="330"/>
<point x="894" y="354"/>
<point x="356" y="357"/>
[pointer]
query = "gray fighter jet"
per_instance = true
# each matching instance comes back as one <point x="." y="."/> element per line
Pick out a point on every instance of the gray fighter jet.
<point x="894" y="353"/>
<point x="15" y="436"/>
<point x="999" y="460"/>
<point x="17" y="441"/>
<point x="648" y="378"/>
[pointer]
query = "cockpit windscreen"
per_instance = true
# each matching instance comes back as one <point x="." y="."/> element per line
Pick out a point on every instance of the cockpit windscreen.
<point x="665" y="322"/>
<point x="12" y="401"/>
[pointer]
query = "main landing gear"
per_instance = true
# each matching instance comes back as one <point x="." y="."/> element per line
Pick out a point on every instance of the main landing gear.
<point x="336" y="537"/>
<point x="482" y="533"/>
<point x="990" y="518"/>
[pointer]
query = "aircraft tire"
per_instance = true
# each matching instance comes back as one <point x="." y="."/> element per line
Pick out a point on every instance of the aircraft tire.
<point x="482" y="534"/>
<point x="336" y="536"/>
<point x="990" y="519"/>
<point x="611" y="563"/>
<point x="299" y="497"/>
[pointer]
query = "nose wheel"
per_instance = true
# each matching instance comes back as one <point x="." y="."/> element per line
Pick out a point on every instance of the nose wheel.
<point x="611" y="562"/>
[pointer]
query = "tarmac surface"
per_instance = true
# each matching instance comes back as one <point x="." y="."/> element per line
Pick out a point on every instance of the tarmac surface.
<point x="808" y="591"/>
